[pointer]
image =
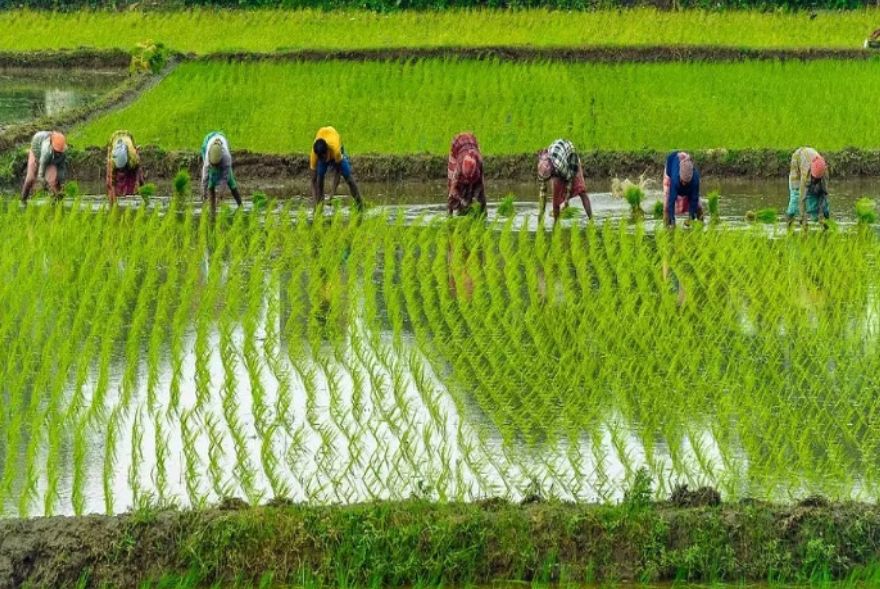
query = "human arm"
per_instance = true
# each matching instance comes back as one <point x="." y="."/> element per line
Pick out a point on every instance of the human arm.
<point x="111" y="189"/>
<point x="44" y="157"/>
<point x="694" y="196"/>
<point x="206" y="169"/>
<point x="481" y="196"/>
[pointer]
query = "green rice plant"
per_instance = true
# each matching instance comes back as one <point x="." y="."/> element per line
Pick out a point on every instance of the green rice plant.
<point x="181" y="191"/>
<point x="866" y="210"/>
<point x="634" y="196"/>
<point x="505" y="207"/>
<point x="757" y="110"/>
<point x="71" y="190"/>
<point x="658" y="209"/>
<point x="204" y="30"/>
<point x="768" y="215"/>
<point x="714" y="197"/>
<point x="147" y="192"/>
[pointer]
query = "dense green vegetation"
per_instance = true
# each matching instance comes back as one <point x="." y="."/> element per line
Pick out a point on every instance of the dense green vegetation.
<point x="492" y="543"/>
<point x="393" y="5"/>
<point x="416" y="107"/>
<point x="165" y="357"/>
<point x="206" y="31"/>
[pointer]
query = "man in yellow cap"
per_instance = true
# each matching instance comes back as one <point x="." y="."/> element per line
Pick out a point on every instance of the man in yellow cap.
<point x="217" y="168"/>
<point x="328" y="152"/>
<point x="124" y="173"/>
<point x="46" y="162"/>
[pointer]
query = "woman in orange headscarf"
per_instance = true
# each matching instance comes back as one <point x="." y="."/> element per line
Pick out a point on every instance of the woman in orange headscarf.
<point x="46" y="162"/>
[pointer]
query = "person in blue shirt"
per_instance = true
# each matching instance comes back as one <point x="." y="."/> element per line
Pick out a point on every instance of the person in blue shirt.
<point x="681" y="188"/>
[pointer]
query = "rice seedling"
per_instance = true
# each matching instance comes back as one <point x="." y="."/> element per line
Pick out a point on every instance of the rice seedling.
<point x="505" y="207"/>
<point x="206" y="30"/>
<point x="346" y="360"/>
<point x="757" y="111"/>
<point x="147" y="192"/>
<point x="866" y="211"/>
<point x="768" y="215"/>
<point x="713" y="199"/>
<point x="181" y="191"/>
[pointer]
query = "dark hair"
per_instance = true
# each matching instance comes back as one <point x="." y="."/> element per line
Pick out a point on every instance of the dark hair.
<point x="320" y="148"/>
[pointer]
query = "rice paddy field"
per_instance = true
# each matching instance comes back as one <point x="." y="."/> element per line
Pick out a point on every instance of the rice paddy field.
<point x="209" y="31"/>
<point x="398" y="398"/>
<point x="416" y="107"/>
<point x="170" y="356"/>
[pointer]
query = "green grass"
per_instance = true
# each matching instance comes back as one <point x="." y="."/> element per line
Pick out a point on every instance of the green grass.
<point x="206" y="31"/>
<point x="417" y="107"/>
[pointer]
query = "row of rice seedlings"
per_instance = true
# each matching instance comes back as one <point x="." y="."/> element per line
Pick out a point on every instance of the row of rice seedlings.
<point x="447" y="359"/>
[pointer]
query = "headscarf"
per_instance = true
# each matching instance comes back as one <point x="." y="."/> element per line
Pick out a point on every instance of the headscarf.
<point x="215" y="152"/>
<point x="59" y="143"/>
<point x="469" y="170"/>
<point x="818" y="167"/>
<point x="685" y="167"/>
<point x="545" y="166"/>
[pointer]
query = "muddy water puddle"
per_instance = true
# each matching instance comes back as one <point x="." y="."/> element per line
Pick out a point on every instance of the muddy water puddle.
<point x="28" y="94"/>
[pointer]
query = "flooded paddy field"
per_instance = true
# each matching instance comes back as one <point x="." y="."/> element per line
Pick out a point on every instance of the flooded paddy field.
<point x="183" y="359"/>
<point x="27" y="94"/>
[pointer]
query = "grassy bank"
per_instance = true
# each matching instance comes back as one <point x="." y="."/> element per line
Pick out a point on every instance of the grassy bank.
<point x="424" y="544"/>
<point x="416" y="107"/>
<point x="206" y="31"/>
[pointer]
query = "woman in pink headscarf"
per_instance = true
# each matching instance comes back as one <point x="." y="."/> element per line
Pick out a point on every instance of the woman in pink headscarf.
<point x="807" y="187"/>
<point x="681" y="188"/>
<point x="464" y="174"/>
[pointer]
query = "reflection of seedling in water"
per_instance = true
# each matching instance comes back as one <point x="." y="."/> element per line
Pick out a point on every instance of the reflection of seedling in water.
<point x="505" y="207"/>
<point x="147" y="192"/>
<point x="866" y="211"/>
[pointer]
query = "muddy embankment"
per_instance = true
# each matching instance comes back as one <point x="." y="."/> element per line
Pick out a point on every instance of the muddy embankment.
<point x="692" y="536"/>
<point x="595" y="54"/>
<point x="261" y="170"/>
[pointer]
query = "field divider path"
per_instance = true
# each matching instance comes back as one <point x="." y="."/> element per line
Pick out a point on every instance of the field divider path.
<point x="586" y="54"/>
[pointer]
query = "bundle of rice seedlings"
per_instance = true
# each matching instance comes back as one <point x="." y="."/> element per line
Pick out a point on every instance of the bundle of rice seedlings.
<point x="260" y="200"/>
<point x="866" y="210"/>
<point x="181" y="186"/>
<point x="767" y="215"/>
<point x="658" y="209"/>
<point x="713" y="198"/>
<point x="505" y="207"/>
<point x="71" y="190"/>
<point x="569" y="213"/>
<point x="633" y="193"/>
<point x="147" y="191"/>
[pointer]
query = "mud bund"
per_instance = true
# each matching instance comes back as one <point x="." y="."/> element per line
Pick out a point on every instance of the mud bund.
<point x="404" y="543"/>
<point x="262" y="169"/>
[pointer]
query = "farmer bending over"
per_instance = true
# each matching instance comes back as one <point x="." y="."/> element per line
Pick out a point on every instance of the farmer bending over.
<point x="217" y="168"/>
<point x="561" y="164"/>
<point x="124" y="173"/>
<point x="681" y="188"/>
<point x="46" y="163"/>
<point x="464" y="174"/>
<point x="807" y="187"/>
<point x="328" y="152"/>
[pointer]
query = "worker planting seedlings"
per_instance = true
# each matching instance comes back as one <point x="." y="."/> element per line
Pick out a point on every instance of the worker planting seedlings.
<point x="46" y="163"/>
